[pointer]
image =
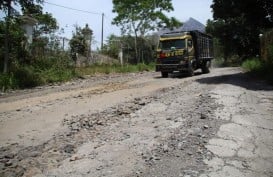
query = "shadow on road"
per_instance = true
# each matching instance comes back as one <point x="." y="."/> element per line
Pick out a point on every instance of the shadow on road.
<point x="239" y="79"/>
<point x="178" y="75"/>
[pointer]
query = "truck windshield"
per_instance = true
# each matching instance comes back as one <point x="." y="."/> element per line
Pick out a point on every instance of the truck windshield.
<point x="169" y="44"/>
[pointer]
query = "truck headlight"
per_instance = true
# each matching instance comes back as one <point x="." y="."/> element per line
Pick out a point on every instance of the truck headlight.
<point x="182" y="62"/>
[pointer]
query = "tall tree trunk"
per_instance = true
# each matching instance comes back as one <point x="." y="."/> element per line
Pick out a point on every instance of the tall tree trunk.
<point x="7" y="39"/>
<point x="136" y="51"/>
<point x="136" y="36"/>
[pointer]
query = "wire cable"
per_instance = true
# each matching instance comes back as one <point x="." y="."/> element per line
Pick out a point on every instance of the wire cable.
<point x="70" y="8"/>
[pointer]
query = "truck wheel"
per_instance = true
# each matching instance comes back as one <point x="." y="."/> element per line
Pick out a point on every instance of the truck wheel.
<point x="164" y="74"/>
<point x="205" y="67"/>
<point x="190" y="71"/>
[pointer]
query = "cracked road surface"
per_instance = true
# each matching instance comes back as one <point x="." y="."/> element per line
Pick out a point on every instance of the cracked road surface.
<point x="243" y="146"/>
<point x="210" y="125"/>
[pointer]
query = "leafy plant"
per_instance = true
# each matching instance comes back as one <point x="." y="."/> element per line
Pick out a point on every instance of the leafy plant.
<point x="237" y="25"/>
<point x="137" y="17"/>
<point x="27" y="76"/>
<point x="107" y="69"/>
<point x="7" y="82"/>
<point x="258" y="68"/>
<point x="253" y="65"/>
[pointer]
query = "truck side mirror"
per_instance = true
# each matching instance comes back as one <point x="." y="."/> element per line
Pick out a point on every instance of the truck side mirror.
<point x="190" y="43"/>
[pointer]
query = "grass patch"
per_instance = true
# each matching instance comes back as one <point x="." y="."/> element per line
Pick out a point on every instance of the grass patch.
<point x="257" y="68"/>
<point x="29" y="76"/>
<point x="37" y="72"/>
<point x="7" y="81"/>
<point x="57" y="75"/>
<point x="232" y="61"/>
<point x="52" y="71"/>
<point x="252" y="65"/>
<point x="107" y="69"/>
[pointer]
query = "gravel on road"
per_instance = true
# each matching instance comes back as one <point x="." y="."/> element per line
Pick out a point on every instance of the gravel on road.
<point x="217" y="124"/>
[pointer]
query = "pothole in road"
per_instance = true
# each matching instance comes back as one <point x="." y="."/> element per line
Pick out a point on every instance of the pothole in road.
<point x="183" y="151"/>
<point x="180" y="146"/>
<point x="16" y="160"/>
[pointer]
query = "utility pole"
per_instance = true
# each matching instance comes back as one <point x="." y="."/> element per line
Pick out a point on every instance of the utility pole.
<point x="63" y="43"/>
<point x="102" y="21"/>
<point x="6" y="59"/>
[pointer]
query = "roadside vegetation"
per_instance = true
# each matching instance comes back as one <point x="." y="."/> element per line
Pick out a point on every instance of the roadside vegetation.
<point x="243" y="36"/>
<point x="261" y="68"/>
<point x="115" y="68"/>
<point x="48" y="57"/>
<point x="30" y="76"/>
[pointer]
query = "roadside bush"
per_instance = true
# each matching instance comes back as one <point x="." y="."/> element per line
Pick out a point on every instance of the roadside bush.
<point x="218" y="62"/>
<point x="258" y="68"/>
<point x="115" y="68"/>
<point x="142" y="67"/>
<point x="253" y="64"/>
<point x="37" y="72"/>
<point x="52" y="69"/>
<point x="58" y="61"/>
<point x="27" y="76"/>
<point x="232" y="61"/>
<point x="7" y="81"/>
<point x="57" y="75"/>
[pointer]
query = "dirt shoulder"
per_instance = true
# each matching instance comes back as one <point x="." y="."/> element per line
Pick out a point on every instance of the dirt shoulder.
<point x="43" y="111"/>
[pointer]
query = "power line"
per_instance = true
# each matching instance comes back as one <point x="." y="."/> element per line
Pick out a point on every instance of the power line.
<point x="70" y="8"/>
<point x="85" y="11"/>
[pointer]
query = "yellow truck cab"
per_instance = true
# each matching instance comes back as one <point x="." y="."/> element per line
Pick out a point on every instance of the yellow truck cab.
<point x="184" y="52"/>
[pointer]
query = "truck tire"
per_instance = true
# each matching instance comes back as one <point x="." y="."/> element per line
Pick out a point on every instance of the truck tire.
<point x="164" y="74"/>
<point x="190" y="71"/>
<point x="205" y="67"/>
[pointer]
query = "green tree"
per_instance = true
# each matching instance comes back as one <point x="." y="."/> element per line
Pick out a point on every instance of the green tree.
<point x="126" y="42"/>
<point x="46" y="22"/>
<point x="138" y="17"/>
<point x="44" y="31"/>
<point x="112" y="46"/>
<point x="222" y="32"/>
<point x="238" y="23"/>
<point x="77" y="43"/>
<point x="6" y="6"/>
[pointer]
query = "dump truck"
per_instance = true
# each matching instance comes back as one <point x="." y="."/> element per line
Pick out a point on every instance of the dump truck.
<point x="184" y="51"/>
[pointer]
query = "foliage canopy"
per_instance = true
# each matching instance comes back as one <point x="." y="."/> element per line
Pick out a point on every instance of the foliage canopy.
<point x="238" y="23"/>
<point x="141" y="16"/>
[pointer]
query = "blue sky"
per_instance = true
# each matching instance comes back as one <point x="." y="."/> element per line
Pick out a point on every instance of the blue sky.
<point x="183" y="9"/>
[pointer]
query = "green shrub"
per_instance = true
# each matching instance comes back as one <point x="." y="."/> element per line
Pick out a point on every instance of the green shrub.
<point x="126" y="69"/>
<point x="257" y="68"/>
<point x="27" y="76"/>
<point x="116" y="68"/>
<point x="253" y="64"/>
<point x="51" y="69"/>
<point x="218" y="62"/>
<point x="231" y="61"/>
<point x="59" y="61"/>
<point x="57" y="75"/>
<point x="7" y="81"/>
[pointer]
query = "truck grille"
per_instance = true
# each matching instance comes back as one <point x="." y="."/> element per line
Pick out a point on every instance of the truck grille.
<point x="170" y="60"/>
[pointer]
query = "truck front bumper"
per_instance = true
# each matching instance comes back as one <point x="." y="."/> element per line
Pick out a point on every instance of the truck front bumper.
<point x="171" y="67"/>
